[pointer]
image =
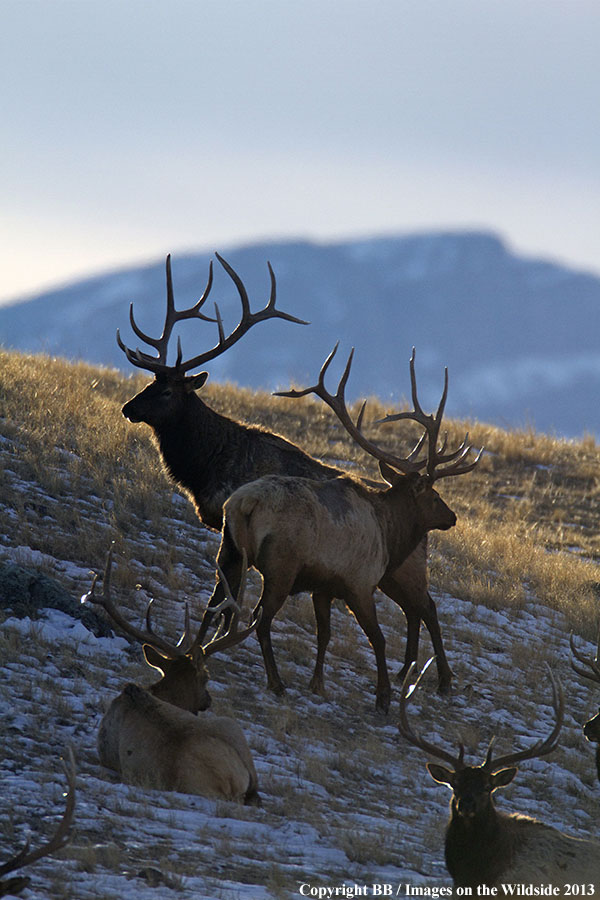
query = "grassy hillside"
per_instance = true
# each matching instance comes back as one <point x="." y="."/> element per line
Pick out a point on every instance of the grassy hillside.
<point x="527" y="515"/>
<point x="346" y="798"/>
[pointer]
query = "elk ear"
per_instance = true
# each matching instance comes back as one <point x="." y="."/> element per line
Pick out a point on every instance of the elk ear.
<point x="388" y="474"/>
<point x="195" y="382"/>
<point x="441" y="774"/>
<point x="503" y="777"/>
<point x="156" y="659"/>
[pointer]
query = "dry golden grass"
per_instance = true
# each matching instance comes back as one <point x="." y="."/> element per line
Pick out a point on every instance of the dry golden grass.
<point x="527" y="514"/>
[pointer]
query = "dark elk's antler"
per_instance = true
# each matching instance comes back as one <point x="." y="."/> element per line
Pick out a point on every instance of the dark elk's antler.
<point x="435" y="456"/>
<point x="586" y="666"/>
<point x="540" y="748"/>
<point x="158" y="364"/>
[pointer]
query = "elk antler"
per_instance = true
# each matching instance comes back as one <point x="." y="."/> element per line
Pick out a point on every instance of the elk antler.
<point x="592" y="664"/>
<point x="408" y="732"/>
<point x="544" y="745"/>
<point x="541" y="748"/>
<point x="26" y="856"/>
<point x="222" y="640"/>
<point x="407" y="464"/>
<point x="148" y="636"/>
<point x="185" y="643"/>
<point x="158" y="364"/>
<point x="432" y="423"/>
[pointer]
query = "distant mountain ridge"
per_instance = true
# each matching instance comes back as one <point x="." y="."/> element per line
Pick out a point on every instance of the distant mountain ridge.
<point x="520" y="336"/>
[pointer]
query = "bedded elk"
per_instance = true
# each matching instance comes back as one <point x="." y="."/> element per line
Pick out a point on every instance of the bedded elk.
<point x="589" y="668"/>
<point x="337" y="538"/>
<point x="25" y="857"/>
<point x="209" y="455"/>
<point x="485" y="846"/>
<point x="152" y="736"/>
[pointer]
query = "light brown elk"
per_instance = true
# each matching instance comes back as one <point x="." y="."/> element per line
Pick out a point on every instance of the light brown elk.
<point x="209" y="455"/>
<point x="485" y="846"/>
<point x="338" y="538"/>
<point x="153" y="736"/>
<point x="26" y="857"/>
<point x="589" y="668"/>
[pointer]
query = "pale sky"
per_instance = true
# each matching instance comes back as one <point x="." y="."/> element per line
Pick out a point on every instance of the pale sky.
<point x="133" y="128"/>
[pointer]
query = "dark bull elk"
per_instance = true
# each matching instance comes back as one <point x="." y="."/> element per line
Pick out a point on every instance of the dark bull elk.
<point x="485" y="846"/>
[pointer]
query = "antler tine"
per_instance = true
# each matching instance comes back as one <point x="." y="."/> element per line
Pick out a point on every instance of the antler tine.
<point x="592" y="664"/>
<point x="106" y="602"/>
<point x="232" y="636"/>
<point x="408" y="732"/>
<point x="337" y="403"/>
<point x="247" y="320"/>
<point x="431" y="423"/>
<point x="24" y="857"/>
<point x="544" y="745"/>
<point x="158" y="363"/>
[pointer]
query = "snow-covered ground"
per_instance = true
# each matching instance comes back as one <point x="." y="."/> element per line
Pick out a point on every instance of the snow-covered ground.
<point x="345" y="801"/>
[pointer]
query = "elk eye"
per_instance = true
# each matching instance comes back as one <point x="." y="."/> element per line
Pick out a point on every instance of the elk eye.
<point x="166" y="393"/>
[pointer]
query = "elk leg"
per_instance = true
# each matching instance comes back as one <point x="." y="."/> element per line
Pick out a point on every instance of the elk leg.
<point x="366" y="616"/>
<point x="230" y="560"/>
<point x="272" y="599"/>
<point x="413" y="628"/>
<point x="322" y="607"/>
<point x="407" y="586"/>
<point x="430" y="618"/>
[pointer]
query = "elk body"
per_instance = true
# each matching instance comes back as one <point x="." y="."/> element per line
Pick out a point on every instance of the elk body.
<point x="153" y="737"/>
<point x="589" y="668"/>
<point x="487" y="847"/>
<point x="334" y="538"/>
<point x="209" y="456"/>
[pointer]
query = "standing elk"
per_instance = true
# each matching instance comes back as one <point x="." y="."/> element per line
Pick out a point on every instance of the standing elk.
<point x="487" y="847"/>
<point x="209" y="455"/>
<point x="589" y="668"/>
<point x="338" y="538"/>
<point x="152" y="736"/>
<point x="25" y="857"/>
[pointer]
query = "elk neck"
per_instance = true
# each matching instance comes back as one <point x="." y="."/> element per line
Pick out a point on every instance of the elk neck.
<point x="401" y="522"/>
<point x="199" y="451"/>
<point x="479" y="848"/>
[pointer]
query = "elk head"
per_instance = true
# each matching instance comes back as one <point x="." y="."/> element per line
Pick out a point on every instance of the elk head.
<point x="472" y="787"/>
<point x="414" y="473"/>
<point x="184" y="675"/>
<point x="26" y="856"/>
<point x="172" y="387"/>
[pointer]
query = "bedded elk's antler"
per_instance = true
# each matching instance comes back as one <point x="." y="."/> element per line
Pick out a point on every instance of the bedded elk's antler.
<point x="588" y="668"/>
<point x="158" y="364"/>
<point x="26" y="856"/>
<point x="540" y="748"/>
<point x="411" y="463"/>
<point x="220" y="641"/>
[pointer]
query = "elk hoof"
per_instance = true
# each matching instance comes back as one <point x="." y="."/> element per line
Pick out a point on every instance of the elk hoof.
<point x="317" y="687"/>
<point x="277" y="687"/>
<point x="382" y="704"/>
<point x="445" y="686"/>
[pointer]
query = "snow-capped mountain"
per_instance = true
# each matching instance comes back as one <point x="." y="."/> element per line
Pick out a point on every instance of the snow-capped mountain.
<point x="520" y="336"/>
